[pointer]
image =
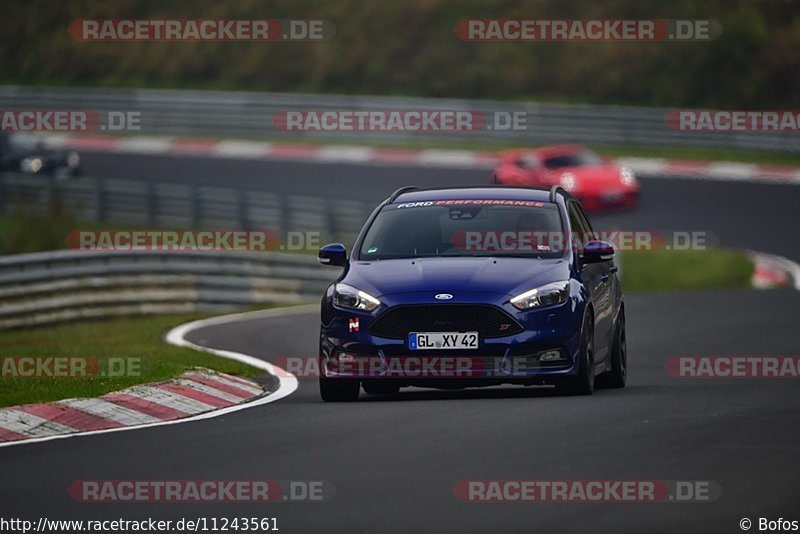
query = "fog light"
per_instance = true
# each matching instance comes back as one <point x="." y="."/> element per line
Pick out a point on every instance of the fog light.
<point x="342" y="364"/>
<point x="344" y="357"/>
<point x="550" y="356"/>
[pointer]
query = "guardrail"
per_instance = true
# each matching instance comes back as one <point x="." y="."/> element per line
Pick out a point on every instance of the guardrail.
<point x="65" y="285"/>
<point x="172" y="205"/>
<point x="72" y="284"/>
<point x="250" y="114"/>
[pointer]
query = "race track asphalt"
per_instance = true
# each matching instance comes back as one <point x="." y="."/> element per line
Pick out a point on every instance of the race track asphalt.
<point x="395" y="461"/>
<point x="734" y="214"/>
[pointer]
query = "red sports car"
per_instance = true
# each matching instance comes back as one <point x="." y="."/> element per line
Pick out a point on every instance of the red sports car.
<point x="599" y="184"/>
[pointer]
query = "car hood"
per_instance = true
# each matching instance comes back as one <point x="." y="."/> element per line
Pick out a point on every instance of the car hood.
<point x="508" y="276"/>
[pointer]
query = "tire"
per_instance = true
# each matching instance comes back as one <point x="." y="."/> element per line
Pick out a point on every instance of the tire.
<point x="583" y="382"/>
<point x="618" y="375"/>
<point x="380" y="387"/>
<point x="339" y="389"/>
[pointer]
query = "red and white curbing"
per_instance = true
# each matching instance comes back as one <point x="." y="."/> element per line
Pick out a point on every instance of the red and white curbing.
<point x="194" y="396"/>
<point x="235" y="149"/>
<point x="194" y="392"/>
<point x="774" y="271"/>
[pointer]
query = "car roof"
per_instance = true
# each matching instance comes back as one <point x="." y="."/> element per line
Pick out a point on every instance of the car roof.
<point x="538" y="194"/>
<point x="542" y="152"/>
<point x="557" y="150"/>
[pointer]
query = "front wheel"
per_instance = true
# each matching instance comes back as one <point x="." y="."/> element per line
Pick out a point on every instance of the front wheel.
<point x="583" y="382"/>
<point x="618" y="375"/>
<point x="339" y="389"/>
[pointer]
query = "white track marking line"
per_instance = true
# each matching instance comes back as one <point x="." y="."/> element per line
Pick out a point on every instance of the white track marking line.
<point x="144" y="145"/>
<point x="55" y="140"/>
<point x="241" y="149"/>
<point x="732" y="171"/>
<point x="644" y="165"/>
<point x="177" y="336"/>
<point x="446" y="157"/>
<point x="31" y="425"/>
<point x="344" y="153"/>
<point x="109" y="410"/>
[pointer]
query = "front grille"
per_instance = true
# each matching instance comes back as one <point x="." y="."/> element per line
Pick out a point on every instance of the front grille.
<point x="488" y="321"/>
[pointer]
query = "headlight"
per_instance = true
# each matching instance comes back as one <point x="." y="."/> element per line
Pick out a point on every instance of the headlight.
<point x="568" y="181"/>
<point x="626" y="176"/>
<point x="31" y="164"/>
<point x="546" y="295"/>
<point x="346" y="296"/>
<point x="73" y="159"/>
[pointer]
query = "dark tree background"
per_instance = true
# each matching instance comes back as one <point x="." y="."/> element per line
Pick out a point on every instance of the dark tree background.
<point x="409" y="47"/>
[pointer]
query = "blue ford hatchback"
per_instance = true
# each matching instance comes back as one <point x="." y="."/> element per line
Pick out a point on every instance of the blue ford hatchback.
<point x="473" y="286"/>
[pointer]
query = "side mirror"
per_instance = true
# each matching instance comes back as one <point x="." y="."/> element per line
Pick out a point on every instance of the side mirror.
<point x="334" y="254"/>
<point x="597" y="251"/>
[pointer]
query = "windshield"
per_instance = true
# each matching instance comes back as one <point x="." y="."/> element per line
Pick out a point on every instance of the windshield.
<point x="464" y="228"/>
<point x="576" y="159"/>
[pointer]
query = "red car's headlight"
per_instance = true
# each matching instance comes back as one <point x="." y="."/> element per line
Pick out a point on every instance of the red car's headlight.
<point x="568" y="181"/>
<point x="626" y="176"/>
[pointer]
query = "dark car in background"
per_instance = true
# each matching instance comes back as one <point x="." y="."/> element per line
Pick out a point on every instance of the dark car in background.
<point x="22" y="152"/>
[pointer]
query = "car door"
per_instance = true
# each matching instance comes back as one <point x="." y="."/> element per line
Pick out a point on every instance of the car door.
<point x="604" y="303"/>
<point x="597" y="279"/>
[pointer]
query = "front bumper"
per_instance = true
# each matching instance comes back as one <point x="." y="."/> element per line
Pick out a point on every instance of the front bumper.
<point x="546" y="347"/>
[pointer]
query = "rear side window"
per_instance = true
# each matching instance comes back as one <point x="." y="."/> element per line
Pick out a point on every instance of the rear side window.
<point x="585" y="222"/>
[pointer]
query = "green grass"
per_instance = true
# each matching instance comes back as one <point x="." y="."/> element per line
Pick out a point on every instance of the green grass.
<point x="666" y="270"/>
<point x="21" y="232"/>
<point x="135" y="337"/>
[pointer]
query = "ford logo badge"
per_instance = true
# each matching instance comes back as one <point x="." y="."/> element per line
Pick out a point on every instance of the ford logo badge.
<point x="443" y="296"/>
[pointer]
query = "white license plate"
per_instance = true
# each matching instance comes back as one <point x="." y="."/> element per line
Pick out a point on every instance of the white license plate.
<point x="442" y="340"/>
